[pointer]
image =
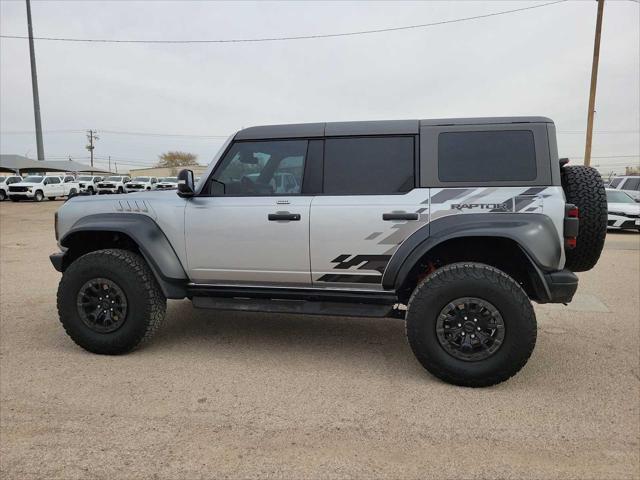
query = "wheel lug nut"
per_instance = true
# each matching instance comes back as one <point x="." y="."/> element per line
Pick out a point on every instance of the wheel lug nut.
<point x="465" y="318"/>
<point x="459" y="324"/>
<point x="473" y="335"/>
<point x="475" y="319"/>
<point x="478" y="328"/>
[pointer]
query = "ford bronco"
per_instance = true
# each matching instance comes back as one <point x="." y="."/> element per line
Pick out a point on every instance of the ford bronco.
<point x="453" y="225"/>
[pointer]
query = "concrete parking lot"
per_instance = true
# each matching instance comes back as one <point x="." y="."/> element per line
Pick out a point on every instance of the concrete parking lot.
<point x="230" y="395"/>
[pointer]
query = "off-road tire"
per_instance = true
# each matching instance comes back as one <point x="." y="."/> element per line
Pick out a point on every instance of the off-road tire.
<point x="471" y="280"/>
<point x="38" y="196"/>
<point x="146" y="303"/>
<point x="584" y="188"/>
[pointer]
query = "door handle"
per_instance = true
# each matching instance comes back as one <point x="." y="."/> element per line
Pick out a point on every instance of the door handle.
<point x="400" y="216"/>
<point x="274" y="217"/>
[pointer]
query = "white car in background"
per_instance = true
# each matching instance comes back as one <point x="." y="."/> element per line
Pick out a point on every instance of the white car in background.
<point x="623" y="211"/>
<point x="37" y="187"/>
<point x="113" y="184"/>
<point x="629" y="184"/>
<point x="5" y="181"/>
<point x="167" y="183"/>
<point x="141" y="184"/>
<point x="88" y="184"/>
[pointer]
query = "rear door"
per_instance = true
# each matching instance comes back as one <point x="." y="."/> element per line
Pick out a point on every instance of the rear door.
<point x="241" y="230"/>
<point x="369" y="206"/>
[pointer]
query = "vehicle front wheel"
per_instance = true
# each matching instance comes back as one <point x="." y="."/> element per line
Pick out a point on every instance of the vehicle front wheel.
<point x="471" y="324"/>
<point x="120" y="190"/>
<point x="109" y="301"/>
<point x="39" y="196"/>
<point x="3" y="196"/>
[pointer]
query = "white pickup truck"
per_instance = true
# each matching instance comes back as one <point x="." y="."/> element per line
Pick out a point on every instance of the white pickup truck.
<point x="114" y="184"/>
<point x="89" y="184"/>
<point x="37" y="187"/>
<point x="4" y="185"/>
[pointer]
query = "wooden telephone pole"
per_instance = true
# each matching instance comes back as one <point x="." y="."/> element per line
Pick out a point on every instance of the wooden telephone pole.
<point x="92" y="137"/>
<point x="594" y="81"/>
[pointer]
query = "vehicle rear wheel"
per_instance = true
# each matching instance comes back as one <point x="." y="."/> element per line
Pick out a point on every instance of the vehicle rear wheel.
<point x="584" y="188"/>
<point x="109" y="301"/>
<point x="39" y="196"/>
<point x="3" y="196"/>
<point x="471" y="324"/>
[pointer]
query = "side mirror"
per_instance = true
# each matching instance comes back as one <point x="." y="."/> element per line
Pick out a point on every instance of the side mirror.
<point x="186" y="186"/>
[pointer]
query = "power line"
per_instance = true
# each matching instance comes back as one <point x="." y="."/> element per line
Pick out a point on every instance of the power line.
<point x="116" y="132"/>
<point x="294" y="37"/>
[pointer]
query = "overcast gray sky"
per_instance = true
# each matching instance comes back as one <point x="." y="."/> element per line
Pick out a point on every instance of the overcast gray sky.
<point x="535" y="62"/>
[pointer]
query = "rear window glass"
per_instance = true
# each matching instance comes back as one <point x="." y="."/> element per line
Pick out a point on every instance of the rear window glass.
<point x="486" y="156"/>
<point x="368" y="165"/>
<point x="631" y="184"/>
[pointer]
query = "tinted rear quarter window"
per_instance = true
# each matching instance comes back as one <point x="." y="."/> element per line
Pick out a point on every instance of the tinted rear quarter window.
<point x="478" y="156"/>
<point x="368" y="165"/>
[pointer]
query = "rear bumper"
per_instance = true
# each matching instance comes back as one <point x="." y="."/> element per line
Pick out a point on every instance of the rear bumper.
<point x="560" y="286"/>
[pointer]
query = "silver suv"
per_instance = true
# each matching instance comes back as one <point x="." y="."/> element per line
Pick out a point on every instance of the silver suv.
<point x="453" y="225"/>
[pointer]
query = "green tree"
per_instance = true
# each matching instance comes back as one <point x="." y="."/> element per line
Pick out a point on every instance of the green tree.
<point x="176" y="159"/>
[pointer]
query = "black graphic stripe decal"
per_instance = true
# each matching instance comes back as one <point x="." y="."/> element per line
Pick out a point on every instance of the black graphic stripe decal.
<point x="363" y="262"/>
<point x="449" y="194"/>
<point x="336" y="278"/>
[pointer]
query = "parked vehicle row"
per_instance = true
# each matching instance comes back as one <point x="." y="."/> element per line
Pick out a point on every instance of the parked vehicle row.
<point x="39" y="187"/>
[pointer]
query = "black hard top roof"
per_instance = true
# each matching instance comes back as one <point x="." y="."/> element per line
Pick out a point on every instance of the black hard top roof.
<point x="376" y="127"/>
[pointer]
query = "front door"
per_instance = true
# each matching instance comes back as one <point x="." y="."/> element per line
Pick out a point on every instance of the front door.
<point x="248" y="227"/>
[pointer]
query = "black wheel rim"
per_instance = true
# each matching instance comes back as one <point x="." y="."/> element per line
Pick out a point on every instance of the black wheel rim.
<point x="470" y="329"/>
<point x="102" y="305"/>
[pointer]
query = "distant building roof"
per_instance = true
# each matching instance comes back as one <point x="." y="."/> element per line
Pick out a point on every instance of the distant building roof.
<point x="12" y="163"/>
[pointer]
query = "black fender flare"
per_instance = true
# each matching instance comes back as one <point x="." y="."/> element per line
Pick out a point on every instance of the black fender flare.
<point x="151" y="240"/>
<point x="534" y="233"/>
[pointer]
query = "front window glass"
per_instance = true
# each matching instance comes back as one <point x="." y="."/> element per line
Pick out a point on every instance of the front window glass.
<point x="140" y="179"/>
<point x="260" y="168"/>
<point x="169" y="179"/>
<point x="85" y="179"/>
<point x="616" y="196"/>
<point x="33" y="179"/>
<point x="114" y="179"/>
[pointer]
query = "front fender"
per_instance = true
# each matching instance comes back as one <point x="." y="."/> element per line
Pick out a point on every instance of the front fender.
<point x="534" y="233"/>
<point x="151" y="241"/>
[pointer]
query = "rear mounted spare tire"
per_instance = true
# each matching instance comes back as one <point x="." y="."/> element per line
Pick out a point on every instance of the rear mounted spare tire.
<point x="584" y="188"/>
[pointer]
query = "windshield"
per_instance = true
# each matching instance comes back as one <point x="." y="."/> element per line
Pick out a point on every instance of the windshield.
<point x="114" y="179"/>
<point x="615" y="196"/>
<point x="169" y="179"/>
<point x="140" y="179"/>
<point x="85" y="179"/>
<point x="33" y="179"/>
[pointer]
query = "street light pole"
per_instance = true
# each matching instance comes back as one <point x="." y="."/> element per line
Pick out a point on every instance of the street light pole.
<point x="594" y="81"/>
<point x="34" y="85"/>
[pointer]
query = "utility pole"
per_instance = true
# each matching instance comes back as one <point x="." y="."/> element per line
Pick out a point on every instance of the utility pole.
<point x="116" y="165"/>
<point x="109" y="163"/>
<point x="92" y="137"/>
<point x="34" y="85"/>
<point x="594" y="81"/>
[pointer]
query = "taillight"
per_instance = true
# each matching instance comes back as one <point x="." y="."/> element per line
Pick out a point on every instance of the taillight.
<point x="573" y="212"/>
<point x="571" y="242"/>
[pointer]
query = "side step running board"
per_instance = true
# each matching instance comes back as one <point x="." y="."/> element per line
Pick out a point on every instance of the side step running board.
<point x="303" y="307"/>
